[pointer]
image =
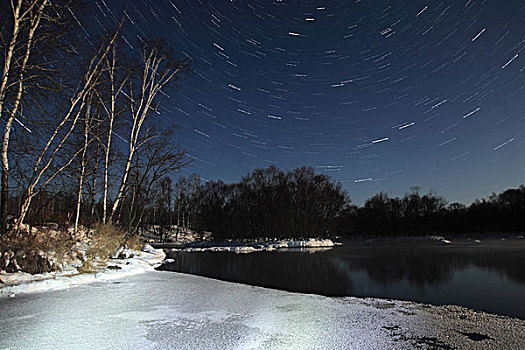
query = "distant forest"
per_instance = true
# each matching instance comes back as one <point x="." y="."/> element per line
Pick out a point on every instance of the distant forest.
<point x="272" y="203"/>
<point x="418" y="214"/>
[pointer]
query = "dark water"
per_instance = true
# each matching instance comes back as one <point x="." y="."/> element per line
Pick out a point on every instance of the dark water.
<point x="489" y="276"/>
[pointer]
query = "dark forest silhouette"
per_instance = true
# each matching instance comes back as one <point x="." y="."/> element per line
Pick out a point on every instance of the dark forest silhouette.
<point x="298" y="203"/>
<point x="416" y="214"/>
<point x="272" y="203"/>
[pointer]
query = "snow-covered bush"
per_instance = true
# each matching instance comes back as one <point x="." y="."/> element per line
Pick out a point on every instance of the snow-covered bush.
<point x="47" y="249"/>
<point x="38" y="251"/>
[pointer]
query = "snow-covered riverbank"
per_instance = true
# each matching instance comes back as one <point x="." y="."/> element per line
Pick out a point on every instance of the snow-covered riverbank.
<point x="137" y="263"/>
<point x="166" y="310"/>
<point x="170" y="310"/>
<point x="244" y="248"/>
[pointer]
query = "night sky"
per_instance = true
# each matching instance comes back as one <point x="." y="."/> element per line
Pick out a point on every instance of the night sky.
<point x="380" y="95"/>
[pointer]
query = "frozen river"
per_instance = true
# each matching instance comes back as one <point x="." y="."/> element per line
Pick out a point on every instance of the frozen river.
<point x="166" y="310"/>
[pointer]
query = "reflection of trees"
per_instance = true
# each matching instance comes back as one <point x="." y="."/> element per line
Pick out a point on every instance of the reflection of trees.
<point x="510" y="266"/>
<point x="292" y="271"/>
<point x="327" y="273"/>
<point x="432" y="265"/>
<point x="420" y="267"/>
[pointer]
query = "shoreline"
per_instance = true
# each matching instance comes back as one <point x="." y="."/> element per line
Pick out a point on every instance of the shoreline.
<point x="157" y="254"/>
<point x="150" y="259"/>
<point x="218" y="264"/>
<point x="138" y="262"/>
<point x="245" y="246"/>
<point x="159" y="309"/>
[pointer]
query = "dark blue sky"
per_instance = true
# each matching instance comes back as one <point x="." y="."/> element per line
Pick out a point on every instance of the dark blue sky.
<point x="380" y="95"/>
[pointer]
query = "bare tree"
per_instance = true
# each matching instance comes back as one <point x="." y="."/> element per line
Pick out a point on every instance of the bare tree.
<point x="23" y="11"/>
<point x="87" y="121"/>
<point x="67" y="123"/>
<point x="116" y="88"/>
<point x="159" y="158"/>
<point x="180" y="202"/>
<point x="158" y="69"/>
<point x="270" y="203"/>
<point x="94" y="167"/>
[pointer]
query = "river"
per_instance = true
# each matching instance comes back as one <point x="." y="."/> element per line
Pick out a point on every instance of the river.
<point x="486" y="276"/>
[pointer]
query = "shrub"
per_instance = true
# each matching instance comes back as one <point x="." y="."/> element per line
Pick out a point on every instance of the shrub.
<point x="134" y="242"/>
<point x="41" y="250"/>
<point x="105" y="241"/>
<point x="86" y="267"/>
<point x="46" y="249"/>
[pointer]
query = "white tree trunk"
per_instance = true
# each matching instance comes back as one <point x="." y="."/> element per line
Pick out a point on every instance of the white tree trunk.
<point x="94" y="182"/>
<point x="123" y="183"/>
<point x="111" y="112"/>
<point x="34" y="23"/>
<point x="106" y="167"/>
<point x="154" y="78"/>
<point x="82" y="165"/>
<point x="9" y="54"/>
<point x="77" y="106"/>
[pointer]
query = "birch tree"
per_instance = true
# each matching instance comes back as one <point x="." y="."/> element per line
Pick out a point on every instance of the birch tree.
<point x="37" y="40"/>
<point x="88" y="120"/>
<point x="32" y="13"/>
<point x="94" y="175"/>
<point x="158" y="70"/>
<point x="66" y="124"/>
<point x="116" y="85"/>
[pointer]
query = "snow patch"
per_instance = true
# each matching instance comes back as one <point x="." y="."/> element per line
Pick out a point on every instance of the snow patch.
<point x="439" y="239"/>
<point x="22" y="282"/>
<point x="240" y="248"/>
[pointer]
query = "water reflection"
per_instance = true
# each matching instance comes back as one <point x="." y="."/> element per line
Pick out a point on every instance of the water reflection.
<point x="418" y="271"/>
<point x="430" y="265"/>
<point x="296" y="271"/>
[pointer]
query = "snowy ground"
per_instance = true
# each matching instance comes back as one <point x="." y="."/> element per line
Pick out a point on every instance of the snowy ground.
<point x="140" y="262"/>
<point x="166" y="310"/>
<point x="163" y="310"/>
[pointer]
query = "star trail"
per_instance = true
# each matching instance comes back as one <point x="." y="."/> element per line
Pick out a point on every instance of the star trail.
<point x="380" y="95"/>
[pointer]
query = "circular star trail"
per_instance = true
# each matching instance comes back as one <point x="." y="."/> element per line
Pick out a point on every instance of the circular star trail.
<point x="380" y="95"/>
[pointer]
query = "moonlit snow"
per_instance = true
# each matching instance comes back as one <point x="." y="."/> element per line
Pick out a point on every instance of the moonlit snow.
<point x="240" y="248"/>
<point x="134" y="306"/>
<point x="22" y="283"/>
<point x="166" y="310"/>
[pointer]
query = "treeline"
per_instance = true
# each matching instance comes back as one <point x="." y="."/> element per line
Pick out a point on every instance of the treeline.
<point x="77" y="113"/>
<point x="416" y="214"/>
<point x="271" y="203"/>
